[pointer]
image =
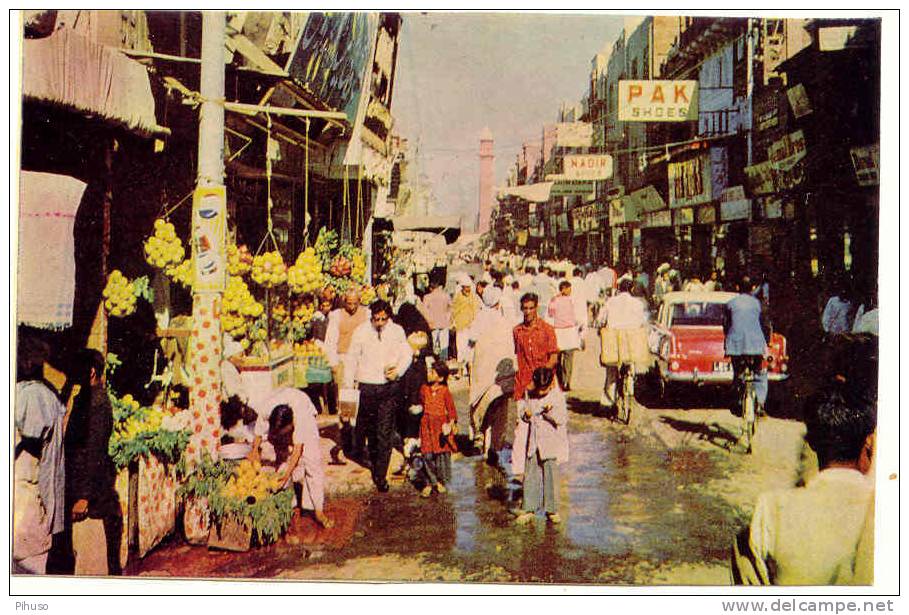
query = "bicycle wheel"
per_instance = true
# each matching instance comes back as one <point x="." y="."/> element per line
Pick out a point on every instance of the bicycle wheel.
<point x="748" y="413"/>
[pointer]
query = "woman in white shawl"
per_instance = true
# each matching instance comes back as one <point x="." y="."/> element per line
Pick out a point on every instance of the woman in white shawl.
<point x="492" y="371"/>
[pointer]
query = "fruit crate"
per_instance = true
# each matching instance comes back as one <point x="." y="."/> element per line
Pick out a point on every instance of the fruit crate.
<point x="230" y="534"/>
<point x="266" y="373"/>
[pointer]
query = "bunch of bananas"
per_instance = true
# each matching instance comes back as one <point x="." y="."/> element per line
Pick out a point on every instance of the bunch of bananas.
<point x="269" y="270"/>
<point x="248" y="480"/>
<point x="139" y="423"/>
<point x="238" y="309"/>
<point x="119" y="295"/>
<point x="181" y="274"/>
<point x="305" y="276"/>
<point x="326" y="242"/>
<point x="279" y="313"/>
<point x="239" y="260"/>
<point x="358" y="269"/>
<point x="367" y="295"/>
<point x="303" y="313"/>
<point x="164" y="248"/>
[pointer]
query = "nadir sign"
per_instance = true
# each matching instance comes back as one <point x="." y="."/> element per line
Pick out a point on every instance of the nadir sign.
<point x="658" y="100"/>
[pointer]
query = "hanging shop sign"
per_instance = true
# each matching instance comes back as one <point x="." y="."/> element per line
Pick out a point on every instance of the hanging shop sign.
<point x="616" y="212"/>
<point x="377" y="122"/>
<point x="684" y="216"/>
<point x="690" y="182"/>
<point x="569" y="187"/>
<point x="785" y="157"/>
<point x="866" y="162"/>
<point x="332" y="58"/>
<point x="587" y="166"/>
<point x="798" y="100"/>
<point x="705" y="214"/>
<point x="734" y="205"/>
<point x="658" y="101"/>
<point x="657" y="219"/>
<point x="574" y="134"/>
<point x="759" y="178"/>
<point x="719" y="170"/>
<point x="521" y="237"/>
<point x="785" y="153"/>
<point x="648" y="199"/>
<point x="209" y="238"/>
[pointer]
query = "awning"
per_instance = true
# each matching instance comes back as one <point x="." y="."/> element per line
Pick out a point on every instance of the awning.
<point x="449" y="226"/>
<point x="47" y="265"/>
<point x="534" y="193"/>
<point x="69" y="70"/>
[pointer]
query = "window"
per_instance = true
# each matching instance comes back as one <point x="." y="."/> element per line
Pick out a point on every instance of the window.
<point x="697" y="314"/>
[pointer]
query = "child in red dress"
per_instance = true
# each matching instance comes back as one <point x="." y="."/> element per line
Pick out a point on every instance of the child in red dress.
<point x="437" y="429"/>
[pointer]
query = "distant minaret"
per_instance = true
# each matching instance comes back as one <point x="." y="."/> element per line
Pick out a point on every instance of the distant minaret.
<point x="486" y="179"/>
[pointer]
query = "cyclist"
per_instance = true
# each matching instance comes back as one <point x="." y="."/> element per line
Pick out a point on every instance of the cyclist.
<point x="747" y="332"/>
<point x="622" y="312"/>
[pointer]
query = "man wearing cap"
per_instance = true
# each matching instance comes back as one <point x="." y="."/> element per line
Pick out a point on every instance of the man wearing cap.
<point x="464" y="309"/>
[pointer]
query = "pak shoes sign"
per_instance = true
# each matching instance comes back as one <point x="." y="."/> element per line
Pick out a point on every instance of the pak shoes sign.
<point x="658" y="101"/>
<point x="589" y="167"/>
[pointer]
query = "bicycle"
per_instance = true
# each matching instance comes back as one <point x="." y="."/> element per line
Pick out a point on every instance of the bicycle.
<point x="624" y="393"/>
<point x="749" y="407"/>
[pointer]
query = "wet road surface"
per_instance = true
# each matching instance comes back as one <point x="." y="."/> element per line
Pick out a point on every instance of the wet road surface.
<point x="638" y="507"/>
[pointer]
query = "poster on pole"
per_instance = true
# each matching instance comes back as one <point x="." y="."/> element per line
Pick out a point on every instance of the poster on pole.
<point x="658" y="100"/>
<point x="209" y="237"/>
<point x="587" y="167"/>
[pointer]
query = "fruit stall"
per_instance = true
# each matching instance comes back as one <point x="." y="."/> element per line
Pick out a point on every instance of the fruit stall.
<point x="268" y="308"/>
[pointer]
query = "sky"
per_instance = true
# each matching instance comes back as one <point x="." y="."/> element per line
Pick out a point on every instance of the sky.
<point x="460" y="72"/>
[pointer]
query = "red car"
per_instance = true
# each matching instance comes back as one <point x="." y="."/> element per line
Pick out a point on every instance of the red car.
<point x="687" y="340"/>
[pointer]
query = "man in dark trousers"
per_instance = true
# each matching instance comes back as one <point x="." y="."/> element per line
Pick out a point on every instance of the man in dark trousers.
<point x="90" y="472"/>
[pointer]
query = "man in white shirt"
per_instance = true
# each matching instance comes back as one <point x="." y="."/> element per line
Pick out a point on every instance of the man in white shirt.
<point x="378" y="356"/>
<point x="623" y="312"/>
<point x="811" y="535"/>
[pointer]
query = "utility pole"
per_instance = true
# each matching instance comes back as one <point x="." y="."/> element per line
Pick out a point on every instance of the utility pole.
<point x="209" y="234"/>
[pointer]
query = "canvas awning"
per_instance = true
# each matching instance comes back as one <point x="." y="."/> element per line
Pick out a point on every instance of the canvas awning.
<point x="69" y="70"/>
<point x="533" y="193"/>
<point x="47" y="265"/>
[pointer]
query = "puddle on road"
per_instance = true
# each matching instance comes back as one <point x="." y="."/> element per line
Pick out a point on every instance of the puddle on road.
<point x="627" y="506"/>
<point x="623" y="503"/>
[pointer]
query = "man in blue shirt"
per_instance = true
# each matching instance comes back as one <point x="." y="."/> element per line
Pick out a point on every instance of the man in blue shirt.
<point x="746" y="338"/>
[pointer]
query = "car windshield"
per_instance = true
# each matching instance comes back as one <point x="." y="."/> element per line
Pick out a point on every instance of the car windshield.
<point x="698" y="314"/>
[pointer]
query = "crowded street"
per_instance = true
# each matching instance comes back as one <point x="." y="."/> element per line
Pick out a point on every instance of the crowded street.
<point x="653" y="502"/>
<point x="356" y="296"/>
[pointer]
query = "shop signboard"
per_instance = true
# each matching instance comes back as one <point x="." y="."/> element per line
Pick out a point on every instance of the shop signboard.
<point x="209" y="238"/>
<point x="684" y="216"/>
<point x="798" y="100"/>
<point x="705" y="214"/>
<point x="866" y="162"/>
<point x="658" y="219"/>
<point x="785" y="153"/>
<point x="333" y="58"/>
<point x="785" y="156"/>
<point x="658" y="101"/>
<point x="719" y="170"/>
<point x="587" y="166"/>
<point x="377" y="122"/>
<point x="616" y="212"/>
<point x="522" y="238"/>
<point x="734" y="205"/>
<point x="648" y="199"/>
<point x="690" y="182"/>
<point x="773" y="208"/>
<point x="760" y="178"/>
<point x="574" y="134"/>
<point x="569" y="187"/>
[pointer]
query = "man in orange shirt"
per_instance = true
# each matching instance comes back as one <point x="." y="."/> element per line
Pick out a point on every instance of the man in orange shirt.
<point x="534" y="344"/>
